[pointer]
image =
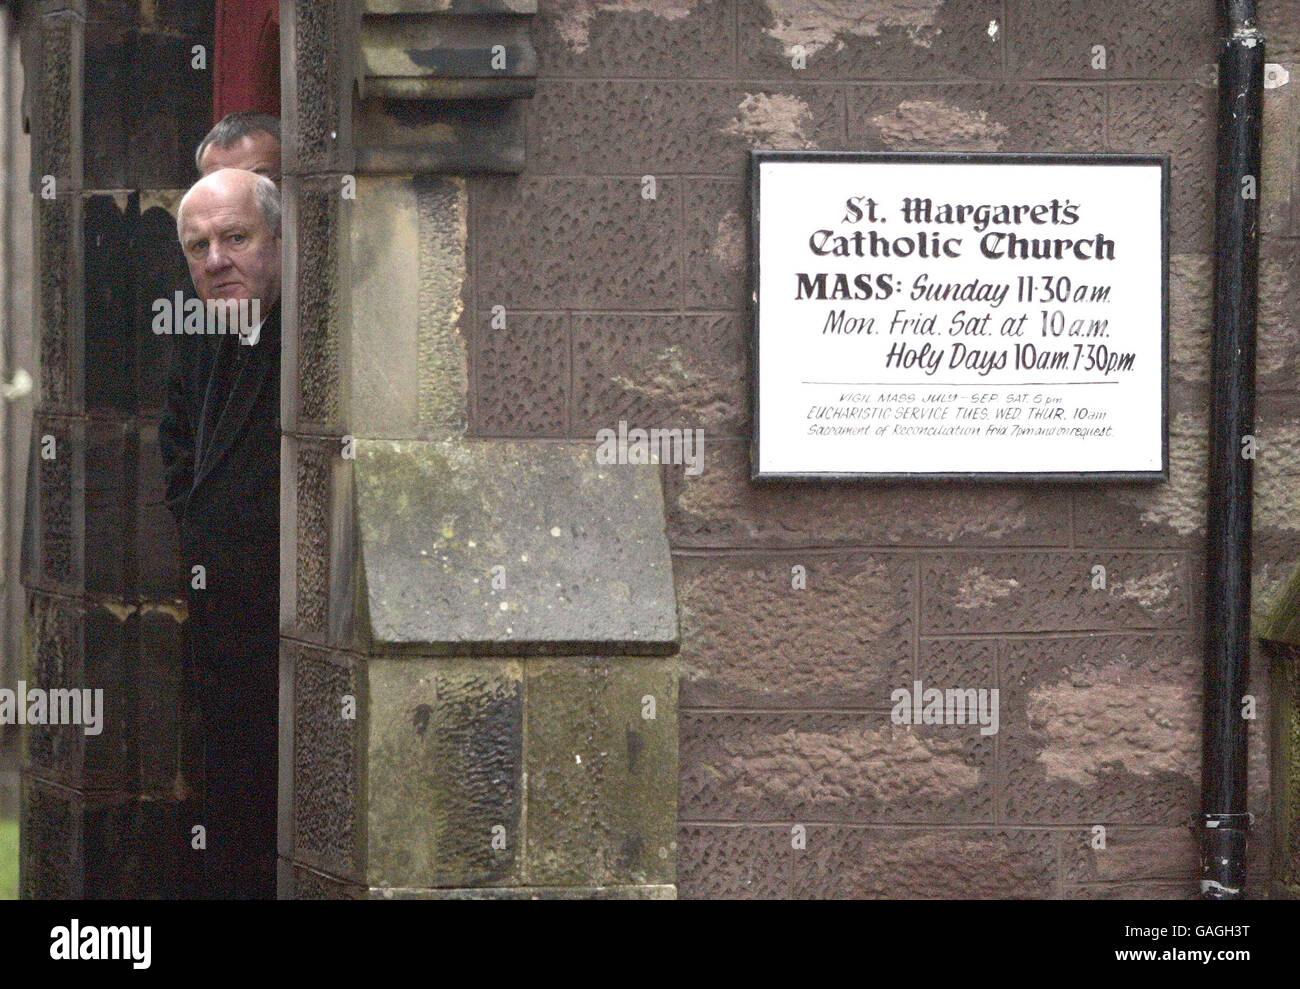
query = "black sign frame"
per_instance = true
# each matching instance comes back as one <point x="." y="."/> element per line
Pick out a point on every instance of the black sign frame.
<point x="758" y="157"/>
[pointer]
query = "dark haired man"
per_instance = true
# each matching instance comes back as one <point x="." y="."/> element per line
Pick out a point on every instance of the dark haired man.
<point x="250" y="141"/>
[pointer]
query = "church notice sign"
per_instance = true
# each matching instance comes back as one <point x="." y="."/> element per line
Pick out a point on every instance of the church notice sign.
<point x="972" y="316"/>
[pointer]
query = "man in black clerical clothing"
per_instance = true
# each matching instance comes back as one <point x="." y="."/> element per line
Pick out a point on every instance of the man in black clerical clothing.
<point x="220" y="444"/>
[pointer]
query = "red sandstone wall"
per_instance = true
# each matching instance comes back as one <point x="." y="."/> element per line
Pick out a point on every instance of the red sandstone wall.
<point x="620" y="307"/>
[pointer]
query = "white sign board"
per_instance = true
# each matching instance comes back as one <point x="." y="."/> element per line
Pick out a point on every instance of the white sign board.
<point x="986" y="316"/>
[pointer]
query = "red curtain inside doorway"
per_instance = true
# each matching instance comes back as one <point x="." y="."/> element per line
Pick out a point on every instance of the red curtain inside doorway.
<point x="246" y="74"/>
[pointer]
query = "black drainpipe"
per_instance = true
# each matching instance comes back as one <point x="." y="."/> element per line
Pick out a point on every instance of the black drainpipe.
<point x="1224" y="821"/>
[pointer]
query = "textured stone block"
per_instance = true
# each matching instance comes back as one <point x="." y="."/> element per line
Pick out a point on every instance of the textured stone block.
<point x="1153" y="515"/>
<point x="1130" y="854"/>
<point x="57" y="123"/>
<point x="1189" y="399"/>
<point x="54" y="651"/>
<point x="734" y="862"/>
<point x="77" y="648"/>
<point x="1144" y="39"/>
<point x="1271" y="565"/>
<point x="723" y="507"/>
<point x="1178" y="120"/>
<point x="121" y="14"/>
<point x="1279" y="181"/>
<point x="749" y="639"/>
<point x="577" y="243"/>
<point x="1259" y="775"/>
<point x="1284" y="734"/>
<point x="651" y="371"/>
<point x="444" y="764"/>
<point x="872" y="863"/>
<point x="59" y="301"/>
<point x="384" y="253"/>
<point x="76" y="847"/>
<point x="957" y="663"/>
<point x="329" y="802"/>
<point x="529" y="893"/>
<point x="419" y="57"/>
<point x="316" y="85"/>
<point x="756" y="767"/>
<point x="313" y="499"/>
<point x="1271" y="572"/>
<point x="1052" y="592"/>
<point x="673" y="40"/>
<point x="582" y="551"/>
<point x="1101" y="729"/>
<point x="521" y="373"/>
<point x="409" y="264"/>
<point x="570" y="122"/>
<point x="986" y="117"/>
<point x="1277" y="360"/>
<point x="602" y="776"/>
<point x="1281" y="29"/>
<point x="317" y="232"/>
<point x="843" y="39"/>
<point x="110" y="499"/>
<point x="54" y="544"/>
<point x="1191" y="316"/>
<point x="1277" y="433"/>
<point x="348" y="625"/>
<point x="50" y="843"/>
<point x="718" y="259"/>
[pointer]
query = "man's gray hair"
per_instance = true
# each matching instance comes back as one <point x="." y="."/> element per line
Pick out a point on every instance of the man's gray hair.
<point x="268" y="201"/>
<point x="265" y="193"/>
<point x="233" y="128"/>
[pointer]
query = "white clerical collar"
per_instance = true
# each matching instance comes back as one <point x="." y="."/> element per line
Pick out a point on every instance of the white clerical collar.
<point x="252" y="338"/>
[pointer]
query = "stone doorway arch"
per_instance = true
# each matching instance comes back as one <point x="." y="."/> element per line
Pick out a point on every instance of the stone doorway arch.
<point x="429" y="715"/>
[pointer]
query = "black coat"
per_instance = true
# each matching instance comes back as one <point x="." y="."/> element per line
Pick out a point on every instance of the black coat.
<point x="220" y="445"/>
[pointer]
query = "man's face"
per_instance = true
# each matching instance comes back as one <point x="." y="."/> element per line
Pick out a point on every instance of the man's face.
<point x="231" y="252"/>
<point x="257" y="152"/>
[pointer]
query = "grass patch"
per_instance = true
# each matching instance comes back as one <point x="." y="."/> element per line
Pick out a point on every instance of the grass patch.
<point x="8" y="860"/>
